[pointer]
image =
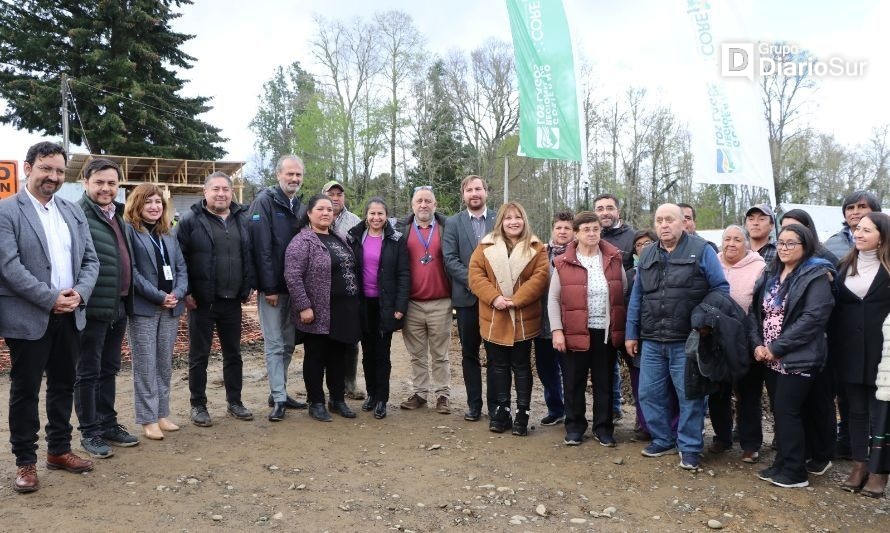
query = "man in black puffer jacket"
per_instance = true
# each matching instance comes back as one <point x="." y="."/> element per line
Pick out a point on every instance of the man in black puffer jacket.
<point x="214" y="242"/>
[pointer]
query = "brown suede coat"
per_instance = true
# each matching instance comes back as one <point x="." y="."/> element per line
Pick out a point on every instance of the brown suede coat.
<point x="523" y="276"/>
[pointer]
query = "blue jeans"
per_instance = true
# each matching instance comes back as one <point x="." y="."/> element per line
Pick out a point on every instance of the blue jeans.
<point x="278" y="342"/>
<point x="660" y="364"/>
<point x="616" y="386"/>
<point x="549" y="364"/>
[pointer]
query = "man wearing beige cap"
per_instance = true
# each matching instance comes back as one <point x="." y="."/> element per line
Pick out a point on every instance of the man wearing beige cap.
<point x="344" y="221"/>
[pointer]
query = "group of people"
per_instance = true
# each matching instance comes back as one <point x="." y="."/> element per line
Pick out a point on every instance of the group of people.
<point x="802" y="318"/>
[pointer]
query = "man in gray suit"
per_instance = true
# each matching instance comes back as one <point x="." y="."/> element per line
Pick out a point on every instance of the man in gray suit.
<point x="462" y="233"/>
<point x="49" y="270"/>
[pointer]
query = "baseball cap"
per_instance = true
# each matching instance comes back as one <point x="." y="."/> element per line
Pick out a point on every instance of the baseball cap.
<point x="331" y="184"/>
<point x="763" y="208"/>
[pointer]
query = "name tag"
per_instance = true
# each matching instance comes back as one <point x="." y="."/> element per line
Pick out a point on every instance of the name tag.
<point x="168" y="273"/>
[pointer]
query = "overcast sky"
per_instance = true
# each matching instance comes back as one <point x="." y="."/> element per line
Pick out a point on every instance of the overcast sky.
<point x="641" y="42"/>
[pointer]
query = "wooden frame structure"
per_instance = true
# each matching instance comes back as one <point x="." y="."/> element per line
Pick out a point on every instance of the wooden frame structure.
<point x="173" y="175"/>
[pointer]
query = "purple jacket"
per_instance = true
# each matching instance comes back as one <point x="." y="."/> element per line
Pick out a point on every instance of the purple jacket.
<point x="307" y="272"/>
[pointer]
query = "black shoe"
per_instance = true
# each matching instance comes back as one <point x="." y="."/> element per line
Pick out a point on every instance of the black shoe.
<point x="473" y="414"/>
<point x="96" y="447"/>
<point x="368" y="404"/>
<point x="341" y="408"/>
<point x="520" y="423"/>
<point x="290" y="403"/>
<point x="238" y="411"/>
<point x="817" y="468"/>
<point x="573" y="439"/>
<point x="318" y="412"/>
<point x="380" y="410"/>
<point x="767" y="474"/>
<point x="500" y="421"/>
<point x="200" y="416"/>
<point x="606" y="440"/>
<point x="119" y="436"/>
<point x="277" y="413"/>
<point x="552" y="420"/>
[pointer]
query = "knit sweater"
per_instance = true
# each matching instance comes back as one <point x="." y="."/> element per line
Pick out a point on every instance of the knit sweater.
<point x="867" y="265"/>
<point x="883" y="381"/>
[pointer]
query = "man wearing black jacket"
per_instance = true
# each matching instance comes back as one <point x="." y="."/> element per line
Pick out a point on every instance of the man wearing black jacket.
<point x="213" y="239"/>
<point x="274" y="216"/>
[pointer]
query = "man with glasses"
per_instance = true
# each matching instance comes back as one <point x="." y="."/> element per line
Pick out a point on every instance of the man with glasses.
<point x="49" y="270"/>
<point x="427" y="330"/>
<point x="462" y="233"/>
<point x="673" y="277"/>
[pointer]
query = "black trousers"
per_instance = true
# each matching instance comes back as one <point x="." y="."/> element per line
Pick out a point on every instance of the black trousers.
<point x="53" y="354"/>
<point x="598" y="362"/>
<point x="224" y="315"/>
<point x="97" y="364"/>
<point x="470" y="341"/>
<point x="749" y="392"/>
<point x="864" y="408"/>
<point x="376" y="345"/>
<point x="324" y="360"/>
<point x="504" y="361"/>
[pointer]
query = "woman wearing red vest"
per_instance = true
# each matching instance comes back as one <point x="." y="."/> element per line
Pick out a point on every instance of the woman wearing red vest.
<point x="508" y="273"/>
<point x="587" y="314"/>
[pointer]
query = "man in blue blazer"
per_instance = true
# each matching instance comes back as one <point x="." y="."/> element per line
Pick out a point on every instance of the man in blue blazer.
<point x="48" y="268"/>
<point x="462" y="233"/>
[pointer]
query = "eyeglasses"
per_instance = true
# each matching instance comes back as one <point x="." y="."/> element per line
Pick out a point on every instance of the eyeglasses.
<point x="423" y="188"/>
<point x="642" y="244"/>
<point x="788" y="245"/>
<point x="51" y="170"/>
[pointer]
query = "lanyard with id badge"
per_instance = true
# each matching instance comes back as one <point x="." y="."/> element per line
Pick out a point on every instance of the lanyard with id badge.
<point x="427" y="258"/>
<point x="167" y="269"/>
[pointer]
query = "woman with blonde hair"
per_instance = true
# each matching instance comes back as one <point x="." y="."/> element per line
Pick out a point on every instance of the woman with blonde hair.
<point x="160" y="282"/>
<point x="508" y="273"/>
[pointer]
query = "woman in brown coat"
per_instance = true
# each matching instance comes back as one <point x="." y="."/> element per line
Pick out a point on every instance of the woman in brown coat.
<point x="587" y="314"/>
<point x="508" y="273"/>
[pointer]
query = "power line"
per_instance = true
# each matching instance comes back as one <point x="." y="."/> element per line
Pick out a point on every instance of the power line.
<point x="77" y="114"/>
<point x="119" y="95"/>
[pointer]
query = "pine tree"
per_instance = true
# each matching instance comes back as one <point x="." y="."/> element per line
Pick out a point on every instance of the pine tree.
<point x="120" y="58"/>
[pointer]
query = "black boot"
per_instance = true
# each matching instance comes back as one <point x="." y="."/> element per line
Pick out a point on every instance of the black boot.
<point x="342" y="408"/>
<point x="368" y="404"/>
<point x="277" y="413"/>
<point x="520" y="424"/>
<point x="380" y="410"/>
<point x="500" y="421"/>
<point x="318" y="412"/>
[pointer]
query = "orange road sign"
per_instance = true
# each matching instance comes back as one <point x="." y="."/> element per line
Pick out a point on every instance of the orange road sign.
<point x="9" y="178"/>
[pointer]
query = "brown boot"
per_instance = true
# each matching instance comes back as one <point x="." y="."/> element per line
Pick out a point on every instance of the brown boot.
<point x="875" y="486"/>
<point x="857" y="477"/>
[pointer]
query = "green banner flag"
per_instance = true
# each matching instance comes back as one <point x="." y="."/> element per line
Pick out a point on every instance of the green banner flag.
<point x="548" y="103"/>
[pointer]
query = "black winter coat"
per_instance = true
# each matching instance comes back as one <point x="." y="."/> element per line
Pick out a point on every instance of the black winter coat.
<point x="802" y="344"/>
<point x="725" y="355"/>
<point x="855" y="333"/>
<point x="623" y="239"/>
<point x="393" y="275"/>
<point x="195" y="238"/>
<point x="272" y="225"/>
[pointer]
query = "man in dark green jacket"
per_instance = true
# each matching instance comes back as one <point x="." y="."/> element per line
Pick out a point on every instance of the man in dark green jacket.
<point x="99" y="357"/>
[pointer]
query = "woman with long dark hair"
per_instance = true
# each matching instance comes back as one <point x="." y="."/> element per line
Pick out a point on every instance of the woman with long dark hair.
<point x="160" y="282"/>
<point x="508" y="273"/>
<point x="799" y="216"/>
<point x="791" y="306"/>
<point x="385" y="280"/>
<point x="320" y="272"/>
<point x="863" y="303"/>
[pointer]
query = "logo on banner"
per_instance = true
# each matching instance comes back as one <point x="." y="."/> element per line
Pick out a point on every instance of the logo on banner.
<point x="9" y="178"/>
<point x="548" y="138"/>
<point x="726" y="161"/>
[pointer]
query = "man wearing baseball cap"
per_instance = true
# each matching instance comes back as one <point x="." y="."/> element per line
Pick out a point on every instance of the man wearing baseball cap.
<point x="343" y="222"/>
<point x="760" y="222"/>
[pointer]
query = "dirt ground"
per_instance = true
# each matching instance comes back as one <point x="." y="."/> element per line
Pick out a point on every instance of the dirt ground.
<point x="413" y="471"/>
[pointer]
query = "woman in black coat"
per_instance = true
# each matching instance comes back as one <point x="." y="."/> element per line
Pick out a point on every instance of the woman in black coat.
<point x="385" y="279"/>
<point x="789" y="313"/>
<point x="863" y="303"/>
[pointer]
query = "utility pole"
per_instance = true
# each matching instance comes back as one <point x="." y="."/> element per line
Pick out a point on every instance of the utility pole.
<point x="506" y="179"/>
<point x="64" y="111"/>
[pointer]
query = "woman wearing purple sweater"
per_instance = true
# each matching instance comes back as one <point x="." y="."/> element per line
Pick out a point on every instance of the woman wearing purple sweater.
<point x="320" y="271"/>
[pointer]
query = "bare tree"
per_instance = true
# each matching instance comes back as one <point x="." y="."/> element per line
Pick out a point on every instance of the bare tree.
<point x="877" y="154"/>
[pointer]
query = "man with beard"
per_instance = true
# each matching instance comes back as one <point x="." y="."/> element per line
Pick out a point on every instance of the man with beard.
<point x="615" y="231"/>
<point x="99" y="358"/>
<point x="49" y="270"/>
<point x="274" y="216"/>
<point x="462" y="233"/>
<point x="213" y="238"/>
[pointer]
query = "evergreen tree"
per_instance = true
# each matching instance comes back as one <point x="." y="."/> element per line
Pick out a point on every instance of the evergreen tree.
<point x="120" y="57"/>
<point x="441" y="159"/>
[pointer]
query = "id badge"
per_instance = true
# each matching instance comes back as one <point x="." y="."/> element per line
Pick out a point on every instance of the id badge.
<point x="426" y="259"/>
<point x="168" y="273"/>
